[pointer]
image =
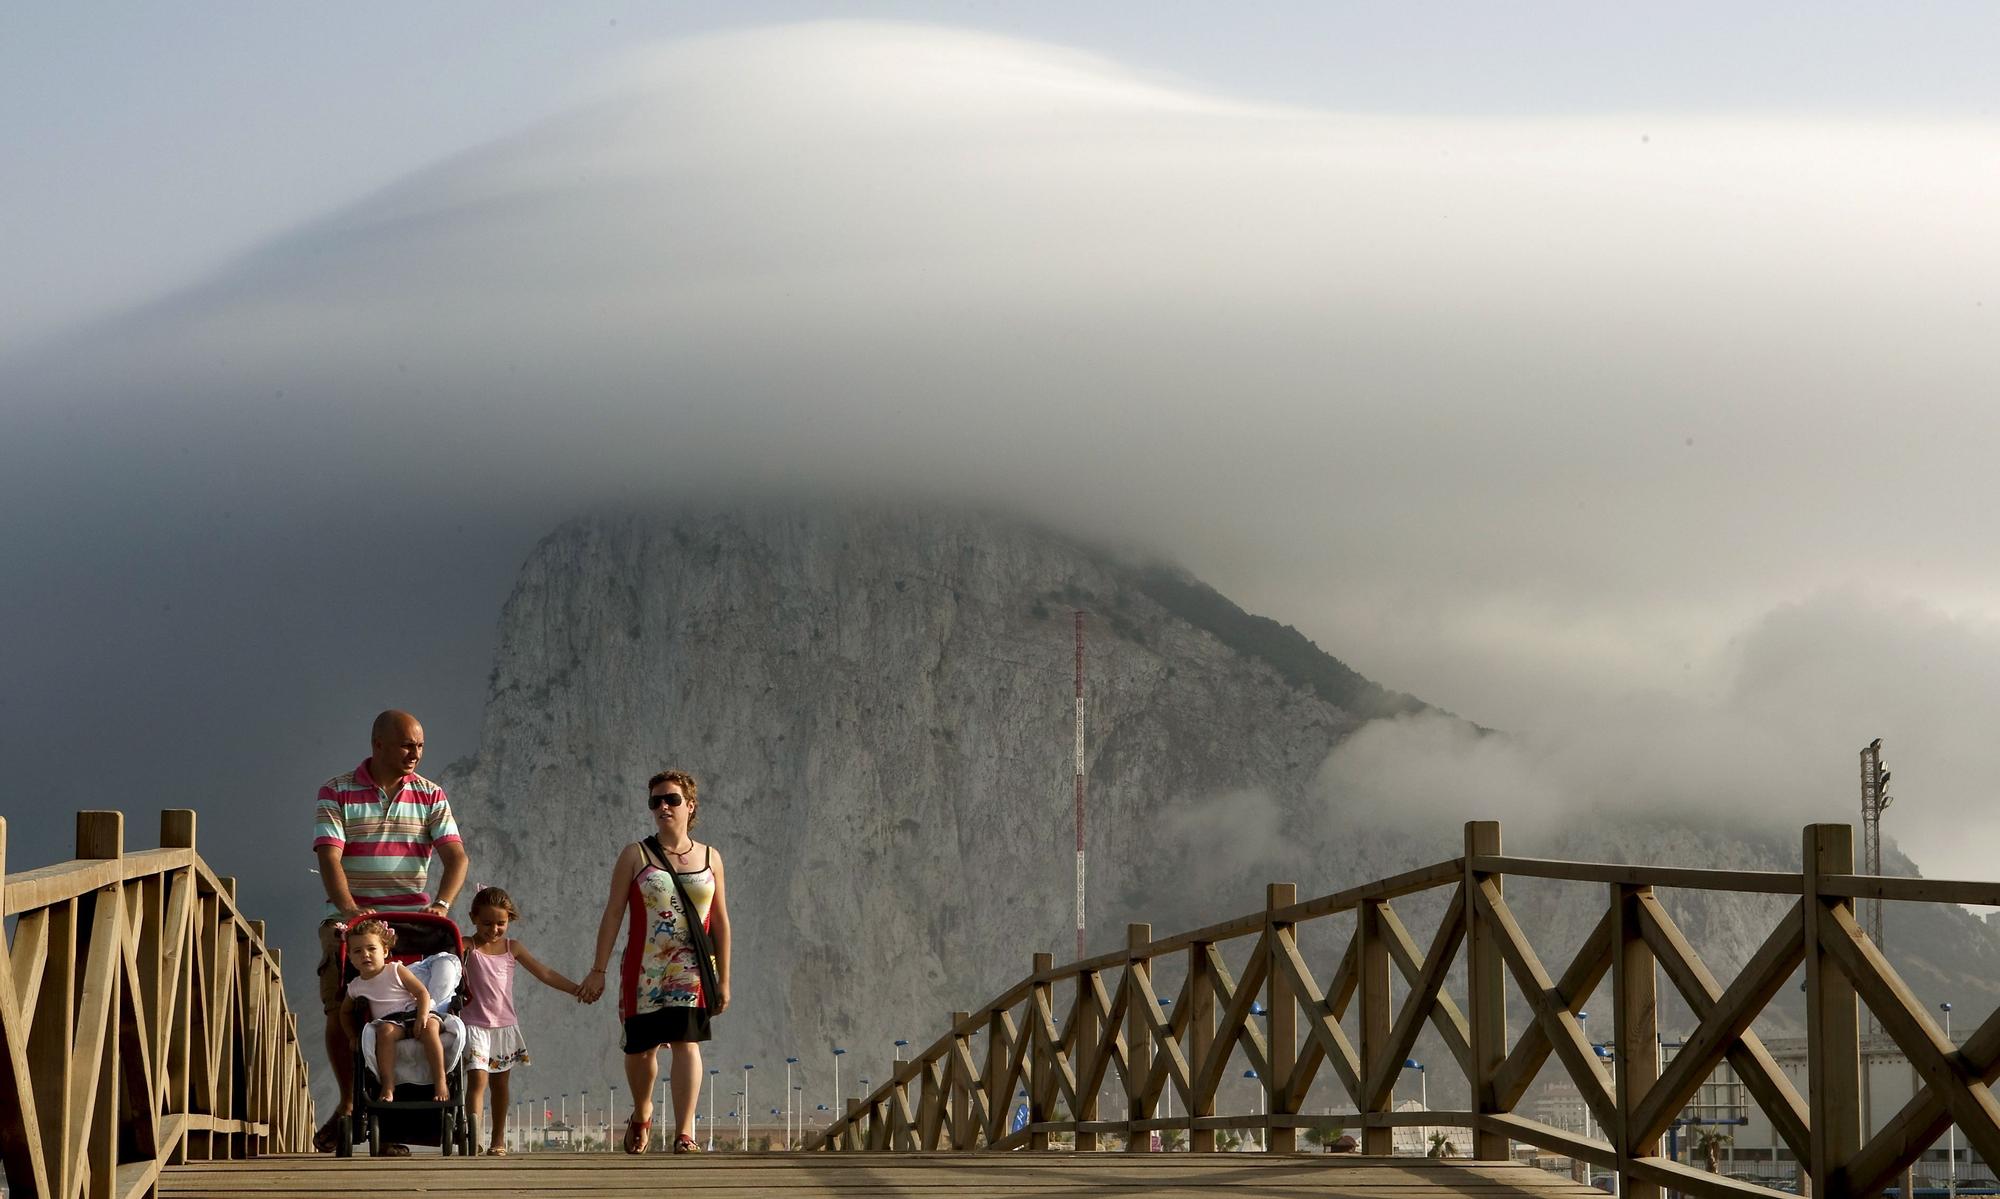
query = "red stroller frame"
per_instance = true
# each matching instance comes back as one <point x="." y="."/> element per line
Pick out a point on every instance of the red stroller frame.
<point x="413" y="1117"/>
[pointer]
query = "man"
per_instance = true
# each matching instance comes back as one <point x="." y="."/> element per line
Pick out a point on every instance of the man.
<point x="374" y="833"/>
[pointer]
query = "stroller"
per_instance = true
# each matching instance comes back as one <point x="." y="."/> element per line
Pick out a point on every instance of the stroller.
<point x="413" y="1117"/>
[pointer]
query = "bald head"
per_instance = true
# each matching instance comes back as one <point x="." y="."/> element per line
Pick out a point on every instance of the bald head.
<point x="390" y="723"/>
<point x="396" y="745"/>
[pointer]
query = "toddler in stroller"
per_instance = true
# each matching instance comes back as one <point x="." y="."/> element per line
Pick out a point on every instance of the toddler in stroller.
<point x="404" y="989"/>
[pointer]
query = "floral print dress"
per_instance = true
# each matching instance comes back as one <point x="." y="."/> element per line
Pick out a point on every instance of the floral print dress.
<point x="657" y="969"/>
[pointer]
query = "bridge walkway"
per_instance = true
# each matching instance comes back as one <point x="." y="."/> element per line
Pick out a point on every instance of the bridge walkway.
<point x="867" y="1176"/>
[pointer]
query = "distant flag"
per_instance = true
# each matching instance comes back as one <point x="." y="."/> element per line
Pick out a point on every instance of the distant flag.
<point x="1020" y="1118"/>
<point x="548" y="1114"/>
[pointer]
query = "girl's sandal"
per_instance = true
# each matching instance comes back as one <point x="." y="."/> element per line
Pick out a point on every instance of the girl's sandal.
<point x="497" y="1151"/>
<point x="636" y="1135"/>
<point x="686" y="1145"/>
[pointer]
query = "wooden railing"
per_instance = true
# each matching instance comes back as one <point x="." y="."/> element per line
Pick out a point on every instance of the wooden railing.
<point x="142" y="1020"/>
<point x="1117" y="1026"/>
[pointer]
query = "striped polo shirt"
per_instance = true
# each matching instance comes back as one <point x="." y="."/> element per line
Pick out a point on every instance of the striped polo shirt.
<point x="385" y="836"/>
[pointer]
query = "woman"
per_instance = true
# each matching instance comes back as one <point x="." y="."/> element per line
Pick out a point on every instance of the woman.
<point x="661" y="997"/>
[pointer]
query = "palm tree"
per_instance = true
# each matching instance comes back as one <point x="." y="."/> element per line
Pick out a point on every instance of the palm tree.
<point x="1710" y="1142"/>
<point x="1441" y="1146"/>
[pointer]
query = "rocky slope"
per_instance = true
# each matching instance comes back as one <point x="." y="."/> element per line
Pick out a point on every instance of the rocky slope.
<point x="877" y="702"/>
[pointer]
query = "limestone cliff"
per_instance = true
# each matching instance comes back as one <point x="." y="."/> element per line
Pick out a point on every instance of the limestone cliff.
<point x="877" y="702"/>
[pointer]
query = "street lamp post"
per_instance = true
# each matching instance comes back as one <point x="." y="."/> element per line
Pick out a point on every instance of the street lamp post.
<point x="1255" y="1081"/>
<point x="1951" y="1130"/>
<point x="713" y="1083"/>
<point x="837" y="1054"/>
<point x="1423" y="1081"/>
<point x="900" y="1046"/>
<point x="1617" y="1179"/>
<point x="789" y="1063"/>
<point x="1583" y="1023"/>
<point x="747" y="1067"/>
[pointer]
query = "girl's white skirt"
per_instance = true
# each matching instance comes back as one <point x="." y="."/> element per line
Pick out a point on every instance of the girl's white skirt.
<point x="495" y="1050"/>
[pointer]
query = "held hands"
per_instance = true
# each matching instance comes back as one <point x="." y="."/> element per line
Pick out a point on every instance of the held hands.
<point x="592" y="987"/>
<point x="722" y="998"/>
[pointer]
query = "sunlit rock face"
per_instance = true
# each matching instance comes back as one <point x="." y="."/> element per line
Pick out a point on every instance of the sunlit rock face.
<point x="878" y="702"/>
<point x="879" y="706"/>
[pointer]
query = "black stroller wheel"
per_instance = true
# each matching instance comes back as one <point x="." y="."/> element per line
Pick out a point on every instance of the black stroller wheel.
<point x="344" y="1147"/>
<point x="445" y="1133"/>
<point x="374" y="1135"/>
<point x="468" y="1134"/>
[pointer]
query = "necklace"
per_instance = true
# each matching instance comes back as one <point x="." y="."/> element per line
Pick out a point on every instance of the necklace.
<point x="683" y="852"/>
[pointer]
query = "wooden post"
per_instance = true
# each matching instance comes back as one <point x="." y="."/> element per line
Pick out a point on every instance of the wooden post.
<point x="100" y="835"/>
<point x="1833" y="1020"/>
<point x="851" y="1134"/>
<point x="1486" y="993"/>
<point x="1635" y="1015"/>
<point x="1083" y="1054"/>
<point x="51" y="1044"/>
<point x="1372" y="957"/>
<point x="178" y="949"/>
<point x="1200" y="1043"/>
<point x="1282" y="1000"/>
<point x="1138" y="1039"/>
<point x="999" y="1092"/>
<point x="961" y="1095"/>
<point x="1041" y="1070"/>
<point x="21" y="1150"/>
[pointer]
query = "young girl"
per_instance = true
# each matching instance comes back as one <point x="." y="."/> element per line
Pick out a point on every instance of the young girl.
<point x="398" y="1005"/>
<point x="493" y="1041"/>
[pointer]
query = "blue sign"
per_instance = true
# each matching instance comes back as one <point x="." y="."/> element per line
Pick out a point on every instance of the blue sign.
<point x="1020" y="1118"/>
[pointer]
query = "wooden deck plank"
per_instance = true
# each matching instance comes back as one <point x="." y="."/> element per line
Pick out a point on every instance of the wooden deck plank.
<point x="867" y="1176"/>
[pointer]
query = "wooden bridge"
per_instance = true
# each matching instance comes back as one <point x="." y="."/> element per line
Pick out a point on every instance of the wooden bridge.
<point x="149" y="1051"/>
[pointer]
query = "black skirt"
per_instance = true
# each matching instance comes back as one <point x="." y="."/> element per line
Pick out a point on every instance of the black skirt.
<point x="664" y="1026"/>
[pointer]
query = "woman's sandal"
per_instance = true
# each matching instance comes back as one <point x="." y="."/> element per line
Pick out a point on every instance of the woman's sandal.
<point x="685" y="1144"/>
<point x="497" y="1151"/>
<point x="636" y="1135"/>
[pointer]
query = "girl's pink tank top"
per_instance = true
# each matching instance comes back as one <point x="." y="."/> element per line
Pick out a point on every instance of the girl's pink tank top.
<point x="489" y="985"/>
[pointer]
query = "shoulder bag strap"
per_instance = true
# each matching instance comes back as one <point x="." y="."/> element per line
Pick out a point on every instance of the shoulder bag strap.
<point x="704" y="949"/>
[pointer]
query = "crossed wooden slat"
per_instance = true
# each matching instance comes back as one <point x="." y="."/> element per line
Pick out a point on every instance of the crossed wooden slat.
<point x="1123" y="1028"/>
<point x="117" y="970"/>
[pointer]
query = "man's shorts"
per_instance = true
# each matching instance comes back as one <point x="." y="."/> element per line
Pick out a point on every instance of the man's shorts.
<point x="332" y="988"/>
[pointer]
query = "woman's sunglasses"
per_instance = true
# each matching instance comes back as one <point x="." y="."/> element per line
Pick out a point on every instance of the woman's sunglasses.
<point x="672" y="799"/>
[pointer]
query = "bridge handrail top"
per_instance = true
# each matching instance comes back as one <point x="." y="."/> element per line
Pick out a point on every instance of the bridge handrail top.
<point x="1756" y="882"/>
<point x="45" y="886"/>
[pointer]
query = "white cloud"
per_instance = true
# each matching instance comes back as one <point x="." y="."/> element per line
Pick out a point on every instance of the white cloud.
<point x="1525" y="416"/>
<point x="1805" y="687"/>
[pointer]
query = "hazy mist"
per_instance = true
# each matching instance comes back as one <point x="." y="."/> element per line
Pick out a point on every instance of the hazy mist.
<point x="1661" y="442"/>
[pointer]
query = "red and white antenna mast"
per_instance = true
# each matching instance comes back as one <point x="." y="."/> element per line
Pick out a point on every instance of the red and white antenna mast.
<point x="1079" y="784"/>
